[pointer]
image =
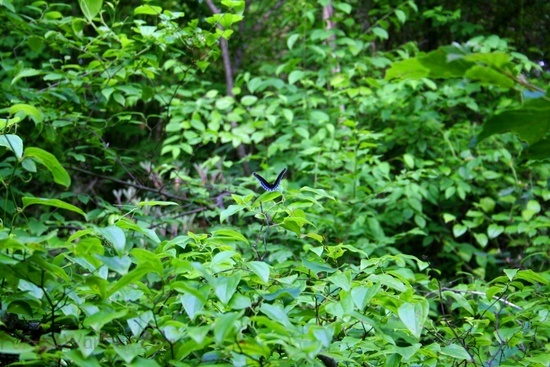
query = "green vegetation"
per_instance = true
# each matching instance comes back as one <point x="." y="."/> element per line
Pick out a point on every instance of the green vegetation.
<point x="412" y="228"/>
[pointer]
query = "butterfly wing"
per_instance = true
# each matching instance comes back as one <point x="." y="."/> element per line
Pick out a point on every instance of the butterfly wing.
<point x="266" y="185"/>
<point x="278" y="180"/>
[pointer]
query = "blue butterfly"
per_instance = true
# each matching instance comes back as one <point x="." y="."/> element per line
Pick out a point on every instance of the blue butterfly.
<point x="266" y="185"/>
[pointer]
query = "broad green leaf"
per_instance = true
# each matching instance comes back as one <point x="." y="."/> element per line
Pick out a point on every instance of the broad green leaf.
<point x="49" y="161"/>
<point x="148" y="9"/>
<point x="23" y="110"/>
<point x="227" y="19"/>
<point x="531" y="121"/>
<point x="13" y="143"/>
<point x="126" y="223"/>
<point x="120" y="264"/>
<point x="292" y="40"/>
<point x="225" y="326"/>
<point x="455" y="351"/>
<point x="231" y="209"/>
<point x="405" y="69"/>
<point x="128" y="352"/>
<point x="459" y="230"/>
<point x="261" y="269"/>
<point x="147" y="258"/>
<point x="133" y="276"/>
<point x="532" y="277"/>
<point x="90" y="8"/>
<point x="140" y="323"/>
<point x="380" y="33"/>
<point x="401" y="16"/>
<point x="249" y="100"/>
<point x="494" y="230"/>
<point x="482" y="239"/>
<point x="362" y="295"/>
<point x="533" y="207"/>
<point x="101" y="318"/>
<point x="225" y="287"/>
<point x="495" y="59"/>
<point x="317" y="267"/>
<point x="413" y="315"/>
<point x="28" y="201"/>
<point x="490" y="76"/>
<point x="277" y="313"/>
<point x="191" y="304"/>
<point x="76" y="358"/>
<point x="295" y="76"/>
<point x="87" y="344"/>
<point x="341" y="279"/>
<point x="445" y="62"/>
<point x="8" y="5"/>
<point x="540" y="150"/>
<point x="51" y="268"/>
<point x="116" y="237"/>
<point x="25" y="73"/>
<point x="229" y="234"/>
<point x="510" y="273"/>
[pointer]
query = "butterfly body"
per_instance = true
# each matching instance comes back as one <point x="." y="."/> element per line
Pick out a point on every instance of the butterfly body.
<point x="266" y="185"/>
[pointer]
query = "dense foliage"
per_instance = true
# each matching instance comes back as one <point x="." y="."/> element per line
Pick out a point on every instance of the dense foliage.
<point x="412" y="227"/>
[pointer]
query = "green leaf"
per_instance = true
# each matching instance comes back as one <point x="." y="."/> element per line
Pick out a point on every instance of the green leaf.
<point x="292" y="40"/>
<point x="362" y="295"/>
<point x="9" y="345"/>
<point x="75" y="356"/>
<point x="101" y="318"/>
<point x="49" y="161"/>
<point x="459" y="230"/>
<point x="531" y="121"/>
<point x="148" y="259"/>
<point x="225" y="287"/>
<point x="533" y="207"/>
<point x="341" y="279"/>
<point x="494" y="230"/>
<point x="407" y="69"/>
<point x="237" y="5"/>
<point x="249" y="100"/>
<point x="277" y="313"/>
<point x="24" y="74"/>
<point x="231" y="209"/>
<point x="23" y="110"/>
<point x="380" y="33"/>
<point x="90" y="8"/>
<point x="455" y="351"/>
<point x="191" y="304"/>
<point x="495" y="59"/>
<point x="413" y="315"/>
<point x="532" y="277"/>
<point x="156" y="203"/>
<point x="261" y="269"/>
<point x="13" y="143"/>
<point x="230" y="234"/>
<point x="134" y="275"/>
<point x="295" y="76"/>
<point x="128" y="352"/>
<point x="116" y="237"/>
<point x="401" y="16"/>
<point x="28" y="201"/>
<point x="148" y="9"/>
<point x="226" y="326"/>
<point x="482" y="239"/>
<point x="540" y="150"/>
<point x="490" y="76"/>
